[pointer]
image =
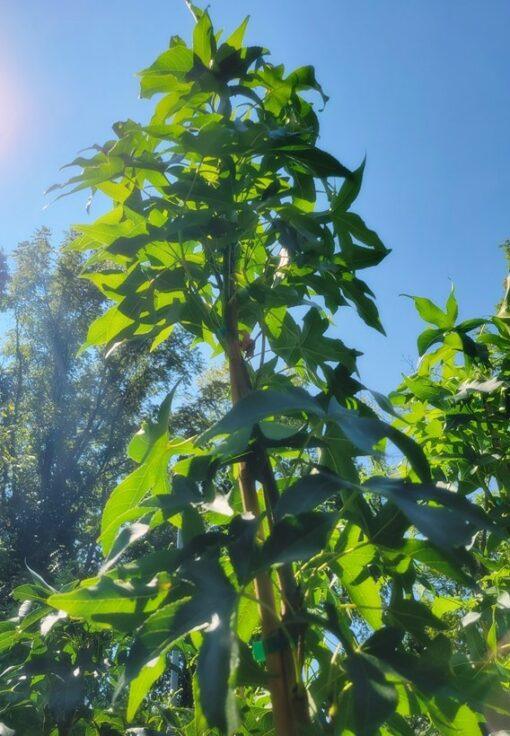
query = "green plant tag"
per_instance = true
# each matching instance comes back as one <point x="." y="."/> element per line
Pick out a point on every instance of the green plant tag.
<point x="259" y="652"/>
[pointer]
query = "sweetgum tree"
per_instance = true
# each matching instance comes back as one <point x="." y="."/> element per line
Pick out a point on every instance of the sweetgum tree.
<point x="293" y="594"/>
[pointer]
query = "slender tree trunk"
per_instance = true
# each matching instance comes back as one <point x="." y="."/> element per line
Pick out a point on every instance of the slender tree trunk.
<point x="18" y="393"/>
<point x="290" y="708"/>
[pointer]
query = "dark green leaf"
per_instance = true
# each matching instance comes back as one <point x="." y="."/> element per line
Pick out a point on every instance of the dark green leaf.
<point x="375" y="699"/>
<point x="451" y="525"/>
<point x="365" y="432"/>
<point x="413" y="616"/>
<point x="308" y="493"/>
<point x="319" y="163"/>
<point x="349" y="190"/>
<point x="215" y="660"/>
<point x="352" y="223"/>
<point x="259" y="405"/>
<point x="297" y="538"/>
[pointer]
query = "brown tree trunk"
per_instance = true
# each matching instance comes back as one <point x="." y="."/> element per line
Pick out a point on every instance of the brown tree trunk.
<point x="289" y="704"/>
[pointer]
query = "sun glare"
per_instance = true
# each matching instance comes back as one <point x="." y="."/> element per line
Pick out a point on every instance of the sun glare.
<point x="11" y="105"/>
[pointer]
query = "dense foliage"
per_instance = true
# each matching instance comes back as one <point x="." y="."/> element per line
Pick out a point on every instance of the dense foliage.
<point x="313" y="587"/>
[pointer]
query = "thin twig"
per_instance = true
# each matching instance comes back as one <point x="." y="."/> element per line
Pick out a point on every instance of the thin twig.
<point x="263" y="351"/>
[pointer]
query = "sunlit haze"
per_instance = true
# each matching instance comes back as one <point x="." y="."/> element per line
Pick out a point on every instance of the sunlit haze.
<point x="12" y="103"/>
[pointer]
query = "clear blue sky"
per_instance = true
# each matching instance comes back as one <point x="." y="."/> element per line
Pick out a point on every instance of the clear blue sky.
<point x="421" y="86"/>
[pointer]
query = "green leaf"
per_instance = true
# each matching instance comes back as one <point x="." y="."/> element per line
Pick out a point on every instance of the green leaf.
<point x="304" y="78"/>
<point x="150" y="476"/>
<point x="428" y="555"/>
<point x="167" y="72"/>
<point x="8" y="635"/>
<point x="430" y="671"/>
<point x="452" y="718"/>
<point x="317" y="162"/>
<point x="349" y="190"/>
<point x="413" y="616"/>
<point x="177" y="60"/>
<point x="247" y="617"/>
<point x="161" y="630"/>
<point x="352" y="568"/>
<point x="310" y="344"/>
<point x="107" y="327"/>
<point x="452" y="307"/>
<point x="353" y="224"/>
<point x="441" y="605"/>
<point x="307" y="493"/>
<point x="471" y="324"/>
<point x="297" y="538"/>
<point x="127" y="536"/>
<point x="236" y="37"/>
<point x="428" y="338"/>
<point x="211" y="606"/>
<point x="148" y="565"/>
<point x="30" y="592"/>
<point x="431" y="313"/>
<point x="451" y="525"/>
<point x="185" y="492"/>
<point x="212" y="600"/>
<point x="476" y="350"/>
<point x="365" y="432"/>
<point x="107" y="601"/>
<point x="425" y="389"/>
<point x="375" y="699"/>
<point x="150" y="432"/>
<point x="242" y="546"/>
<point x="204" y="43"/>
<point x="142" y="683"/>
<point x="413" y="452"/>
<point x="259" y="405"/>
<point x="216" y="660"/>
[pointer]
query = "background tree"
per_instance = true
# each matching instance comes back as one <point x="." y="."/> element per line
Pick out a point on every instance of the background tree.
<point x="65" y="420"/>
<point x="208" y="402"/>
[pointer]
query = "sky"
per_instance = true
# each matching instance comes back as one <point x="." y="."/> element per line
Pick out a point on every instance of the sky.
<point x="421" y="87"/>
